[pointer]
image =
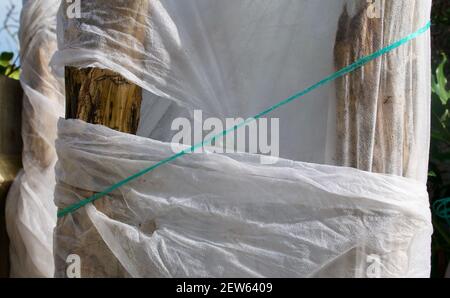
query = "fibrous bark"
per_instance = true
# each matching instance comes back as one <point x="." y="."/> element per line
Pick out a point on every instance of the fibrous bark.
<point x="103" y="97"/>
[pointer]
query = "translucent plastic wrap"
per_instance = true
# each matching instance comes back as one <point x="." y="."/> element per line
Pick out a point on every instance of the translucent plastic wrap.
<point x="233" y="59"/>
<point x="30" y="210"/>
<point x="383" y="110"/>
<point x="211" y="215"/>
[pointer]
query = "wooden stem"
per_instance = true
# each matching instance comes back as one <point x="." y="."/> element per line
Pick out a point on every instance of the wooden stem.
<point x="103" y="97"/>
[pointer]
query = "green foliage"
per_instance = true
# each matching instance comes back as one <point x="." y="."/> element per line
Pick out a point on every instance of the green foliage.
<point x="439" y="177"/>
<point x="439" y="83"/>
<point x="8" y="67"/>
<point x="441" y="12"/>
<point x="440" y="116"/>
<point x="441" y="29"/>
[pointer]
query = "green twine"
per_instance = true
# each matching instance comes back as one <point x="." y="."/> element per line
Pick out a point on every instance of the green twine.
<point x="441" y="209"/>
<point x="346" y="70"/>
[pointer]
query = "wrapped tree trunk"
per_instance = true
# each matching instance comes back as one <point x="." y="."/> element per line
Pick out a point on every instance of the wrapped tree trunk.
<point x="100" y="96"/>
<point x="90" y="99"/>
<point x="378" y="105"/>
<point x="30" y="210"/>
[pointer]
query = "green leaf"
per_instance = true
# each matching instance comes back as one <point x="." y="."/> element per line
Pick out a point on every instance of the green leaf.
<point x="439" y="82"/>
<point x="5" y="58"/>
<point x="15" y="74"/>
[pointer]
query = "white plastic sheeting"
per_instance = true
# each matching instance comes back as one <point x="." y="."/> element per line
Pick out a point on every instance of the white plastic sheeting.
<point x="226" y="58"/>
<point x="30" y="210"/>
<point x="211" y="215"/>
<point x="225" y="215"/>
<point x="236" y="58"/>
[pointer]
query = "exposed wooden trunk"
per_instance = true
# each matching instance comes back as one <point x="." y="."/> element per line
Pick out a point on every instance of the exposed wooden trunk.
<point x="10" y="154"/>
<point x="103" y="97"/>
